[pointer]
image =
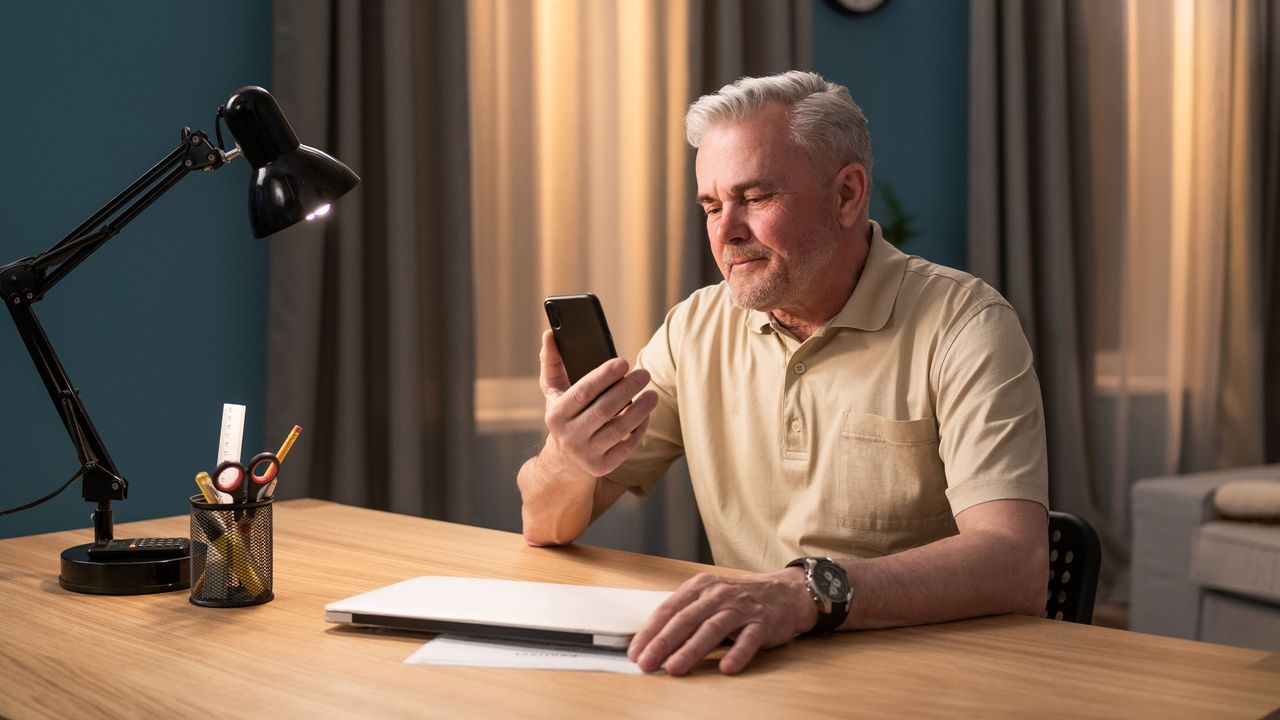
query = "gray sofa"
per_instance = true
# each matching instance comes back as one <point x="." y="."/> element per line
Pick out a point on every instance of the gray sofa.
<point x="1198" y="576"/>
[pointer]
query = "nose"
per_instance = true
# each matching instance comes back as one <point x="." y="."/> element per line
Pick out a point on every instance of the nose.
<point x="732" y="225"/>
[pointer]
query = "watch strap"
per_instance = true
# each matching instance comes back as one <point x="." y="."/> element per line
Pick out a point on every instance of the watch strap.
<point x="831" y="613"/>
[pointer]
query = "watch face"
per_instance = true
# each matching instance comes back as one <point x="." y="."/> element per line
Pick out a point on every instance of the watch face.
<point x="830" y="581"/>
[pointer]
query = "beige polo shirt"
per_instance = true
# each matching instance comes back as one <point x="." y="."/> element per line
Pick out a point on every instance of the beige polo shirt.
<point x="916" y="401"/>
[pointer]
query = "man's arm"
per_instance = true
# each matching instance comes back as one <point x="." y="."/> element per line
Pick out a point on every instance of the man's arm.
<point x="591" y="430"/>
<point x="997" y="564"/>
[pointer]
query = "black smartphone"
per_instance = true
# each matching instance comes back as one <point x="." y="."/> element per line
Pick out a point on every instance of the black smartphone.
<point x="581" y="333"/>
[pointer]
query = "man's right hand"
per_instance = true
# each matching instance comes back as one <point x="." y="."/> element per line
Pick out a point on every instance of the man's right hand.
<point x="594" y="424"/>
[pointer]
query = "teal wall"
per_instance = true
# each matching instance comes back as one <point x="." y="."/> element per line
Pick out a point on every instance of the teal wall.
<point x="907" y="65"/>
<point x="167" y="320"/>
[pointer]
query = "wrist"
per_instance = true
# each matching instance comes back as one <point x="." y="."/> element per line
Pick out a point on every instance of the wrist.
<point x="805" y="610"/>
<point x="555" y="465"/>
<point x="829" y="590"/>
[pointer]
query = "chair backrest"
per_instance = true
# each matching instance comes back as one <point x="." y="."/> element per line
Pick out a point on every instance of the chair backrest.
<point x="1074" y="559"/>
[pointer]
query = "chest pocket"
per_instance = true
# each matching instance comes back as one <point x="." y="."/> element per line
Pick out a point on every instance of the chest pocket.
<point x="892" y="489"/>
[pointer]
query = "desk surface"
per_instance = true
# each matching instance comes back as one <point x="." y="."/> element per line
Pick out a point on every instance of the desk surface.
<point x="69" y="655"/>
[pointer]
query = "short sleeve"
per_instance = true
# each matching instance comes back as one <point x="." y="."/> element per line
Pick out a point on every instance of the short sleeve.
<point x="663" y="442"/>
<point x="990" y="414"/>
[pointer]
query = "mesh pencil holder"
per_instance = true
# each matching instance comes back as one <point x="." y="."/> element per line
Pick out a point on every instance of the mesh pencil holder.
<point x="231" y="553"/>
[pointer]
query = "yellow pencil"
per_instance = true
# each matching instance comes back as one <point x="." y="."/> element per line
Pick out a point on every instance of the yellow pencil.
<point x="288" y="442"/>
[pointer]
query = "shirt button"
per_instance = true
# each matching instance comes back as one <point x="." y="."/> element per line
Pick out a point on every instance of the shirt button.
<point x="799" y="368"/>
<point x="795" y="426"/>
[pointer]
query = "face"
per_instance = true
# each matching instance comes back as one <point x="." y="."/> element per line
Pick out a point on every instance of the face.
<point x="772" y="218"/>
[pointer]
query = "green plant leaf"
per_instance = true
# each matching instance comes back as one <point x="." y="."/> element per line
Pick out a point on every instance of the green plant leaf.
<point x="899" y="227"/>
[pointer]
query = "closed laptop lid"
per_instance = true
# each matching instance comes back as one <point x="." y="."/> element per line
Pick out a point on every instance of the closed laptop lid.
<point x="576" y="614"/>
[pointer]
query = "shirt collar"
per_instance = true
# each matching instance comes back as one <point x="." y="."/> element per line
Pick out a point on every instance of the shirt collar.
<point x="871" y="302"/>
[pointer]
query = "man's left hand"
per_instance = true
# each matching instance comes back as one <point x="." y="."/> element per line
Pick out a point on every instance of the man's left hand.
<point x="758" y="611"/>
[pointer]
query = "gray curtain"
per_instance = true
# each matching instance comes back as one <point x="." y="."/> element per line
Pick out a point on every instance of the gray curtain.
<point x="729" y="39"/>
<point x="1055" y="215"/>
<point x="1269" y="75"/>
<point x="1031" y="211"/>
<point x="370" y="330"/>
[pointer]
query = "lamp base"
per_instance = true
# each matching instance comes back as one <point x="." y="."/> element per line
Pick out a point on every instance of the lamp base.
<point x="122" y="577"/>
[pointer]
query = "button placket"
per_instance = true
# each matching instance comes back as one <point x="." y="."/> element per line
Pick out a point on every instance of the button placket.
<point x="792" y="420"/>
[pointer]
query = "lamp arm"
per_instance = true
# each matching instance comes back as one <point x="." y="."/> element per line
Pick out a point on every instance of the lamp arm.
<point x="195" y="152"/>
<point x="25" y="282"/>
<point x="100" y="481"/>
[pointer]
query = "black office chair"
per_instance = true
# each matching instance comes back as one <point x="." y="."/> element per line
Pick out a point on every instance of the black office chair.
<point x="1074" y="559"/>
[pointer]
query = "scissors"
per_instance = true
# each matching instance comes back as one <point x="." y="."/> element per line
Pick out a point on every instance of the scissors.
<point x="231" y="476"/>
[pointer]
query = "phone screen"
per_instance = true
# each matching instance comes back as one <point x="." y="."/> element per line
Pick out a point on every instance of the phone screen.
<point x="581" y="333"/>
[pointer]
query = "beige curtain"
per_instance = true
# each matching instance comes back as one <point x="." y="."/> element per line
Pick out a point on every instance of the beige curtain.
<point x="1214" y="291"/>
<point x="583" y="182"/>
<point x="370" y="328"/>
<point x="1116" y="198"/>
<point x="1191" y="301"/>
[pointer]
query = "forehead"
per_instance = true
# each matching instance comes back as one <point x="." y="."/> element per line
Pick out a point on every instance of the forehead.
<point x="757" y="148"/>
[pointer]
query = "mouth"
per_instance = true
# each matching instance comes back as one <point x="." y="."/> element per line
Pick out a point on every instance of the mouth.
<point x="747" y="264"/>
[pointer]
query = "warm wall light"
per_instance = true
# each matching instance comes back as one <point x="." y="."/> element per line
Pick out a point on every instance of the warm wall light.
<point x="291" y="182"/>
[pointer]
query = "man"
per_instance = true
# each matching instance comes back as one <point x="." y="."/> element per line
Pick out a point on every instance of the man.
<point x="834" y="397"/>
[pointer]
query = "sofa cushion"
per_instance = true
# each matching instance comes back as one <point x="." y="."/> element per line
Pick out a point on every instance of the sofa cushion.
<point x="1238" y="557"/>
<point x="1248" y="500"/>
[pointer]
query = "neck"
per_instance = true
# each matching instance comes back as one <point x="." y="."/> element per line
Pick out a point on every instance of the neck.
<point x="804" y="319"/>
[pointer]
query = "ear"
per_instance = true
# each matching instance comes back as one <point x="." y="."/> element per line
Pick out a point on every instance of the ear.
<point x="851" y="194"/>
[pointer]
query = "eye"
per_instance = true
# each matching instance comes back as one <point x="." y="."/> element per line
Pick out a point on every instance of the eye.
<point x="757" y="199"/>
<point x="711" y="210"/>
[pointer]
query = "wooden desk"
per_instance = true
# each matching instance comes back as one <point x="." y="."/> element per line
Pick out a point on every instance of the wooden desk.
<point x="69" y="655"/>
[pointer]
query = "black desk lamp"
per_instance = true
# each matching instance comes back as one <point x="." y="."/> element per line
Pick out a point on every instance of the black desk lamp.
<point x="291" y="182"/>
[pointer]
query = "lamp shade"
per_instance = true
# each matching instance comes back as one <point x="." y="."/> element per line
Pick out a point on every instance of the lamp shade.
<point x="291" y="182"/>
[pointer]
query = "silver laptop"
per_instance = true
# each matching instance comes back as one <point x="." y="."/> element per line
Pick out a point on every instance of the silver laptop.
<point x="578" y="615"/>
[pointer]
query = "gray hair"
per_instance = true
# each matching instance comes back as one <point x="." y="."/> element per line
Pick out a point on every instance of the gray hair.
<point x="826" y="124"/>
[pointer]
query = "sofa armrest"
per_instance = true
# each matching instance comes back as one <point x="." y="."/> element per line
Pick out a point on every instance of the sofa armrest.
<point x="1166" y="513"/>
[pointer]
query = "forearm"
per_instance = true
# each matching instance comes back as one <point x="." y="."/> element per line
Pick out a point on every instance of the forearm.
<point x="556" y="498"/>
<point x="967" y="575"/>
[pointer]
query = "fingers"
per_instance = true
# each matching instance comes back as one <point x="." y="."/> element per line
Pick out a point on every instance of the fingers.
<point x="552" y="376"/>
<point x="599" y="421"/>
<point x="643" y="641"/>
<point x="706" y="636"/>
<point x="681" y="630"/>
<point x="609" y="382"/>
<point x="622" y="450"/>
<point x="706" y="610"/>
<point x="616" y="427"/>
<point x="596" y="423"/>
<point x="745" y="647"/>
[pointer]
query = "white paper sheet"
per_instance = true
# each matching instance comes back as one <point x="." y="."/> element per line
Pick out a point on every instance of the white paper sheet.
<point x="473" y="652"/>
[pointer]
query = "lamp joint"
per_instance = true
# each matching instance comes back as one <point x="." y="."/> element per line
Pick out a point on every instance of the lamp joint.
<point x="201" y="154"/>
<point x="19" y="282"/>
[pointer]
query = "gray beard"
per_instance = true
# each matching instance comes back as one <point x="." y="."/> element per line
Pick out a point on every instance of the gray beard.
<point x="777" y="289"/>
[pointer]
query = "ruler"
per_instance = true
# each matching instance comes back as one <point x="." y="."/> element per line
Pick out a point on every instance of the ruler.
<point x="231" y="436"/>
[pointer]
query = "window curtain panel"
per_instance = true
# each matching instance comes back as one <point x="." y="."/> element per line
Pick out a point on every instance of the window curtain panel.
<point x="1119" y="157"/>
<point x="370" y="328"/>
<point x="1030" y="203"/>
<point x="583" y="181"/>
<point x="1267" y="44"/>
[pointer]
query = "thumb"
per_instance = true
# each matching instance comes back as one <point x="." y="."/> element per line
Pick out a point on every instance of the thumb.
<point x="553" y="378"/>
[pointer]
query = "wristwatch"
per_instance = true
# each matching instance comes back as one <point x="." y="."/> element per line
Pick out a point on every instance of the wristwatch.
<point x="829" y="586"/>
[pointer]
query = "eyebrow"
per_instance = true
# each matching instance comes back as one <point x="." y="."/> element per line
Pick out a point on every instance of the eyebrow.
<point x="738" y="189"/>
